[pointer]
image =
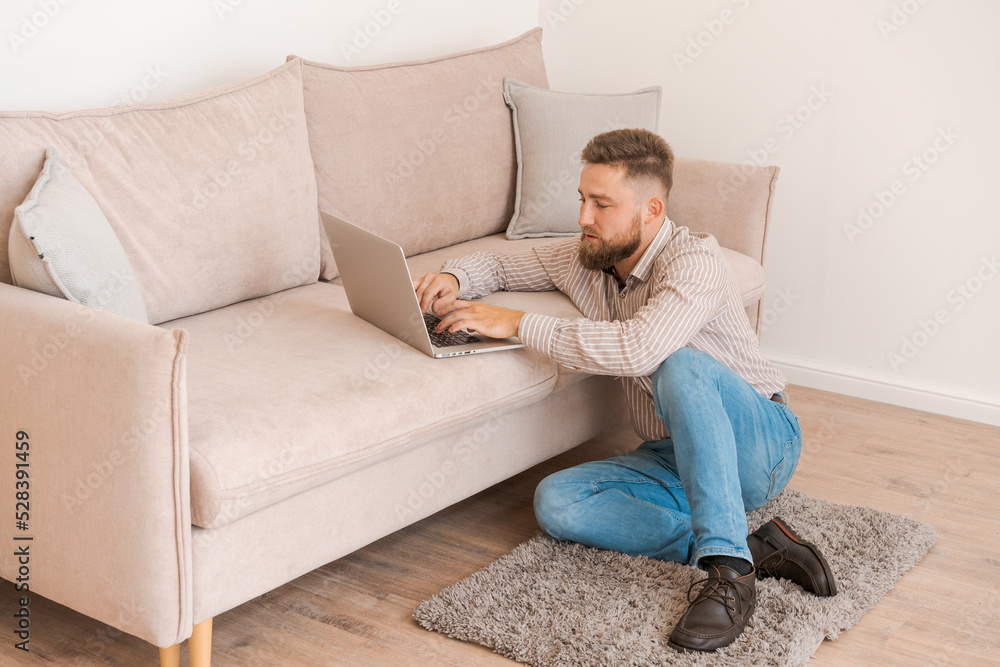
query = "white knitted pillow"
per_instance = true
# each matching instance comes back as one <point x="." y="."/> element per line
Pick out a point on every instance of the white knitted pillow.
<point x="62" y="244"/>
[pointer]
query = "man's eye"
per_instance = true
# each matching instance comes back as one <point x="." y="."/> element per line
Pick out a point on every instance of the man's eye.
<point x="603" y="205"/>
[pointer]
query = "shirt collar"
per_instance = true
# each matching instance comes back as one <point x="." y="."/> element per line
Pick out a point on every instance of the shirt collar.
<point x="610" y="270"/>
<point x="645" y="265"/>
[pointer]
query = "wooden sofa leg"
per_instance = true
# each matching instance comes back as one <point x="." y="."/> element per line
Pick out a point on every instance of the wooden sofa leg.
<point x="199" y="648"/>
<point x="170" y="656"/>
<point x="200" y="644"/>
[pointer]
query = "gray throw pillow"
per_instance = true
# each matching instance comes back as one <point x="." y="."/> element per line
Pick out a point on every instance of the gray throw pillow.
<point x="61" y="244"/>
<point x="551" y="129"/>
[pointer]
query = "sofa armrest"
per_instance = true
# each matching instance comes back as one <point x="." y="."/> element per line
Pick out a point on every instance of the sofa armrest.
<point x="101" y="402"/>
<point x="730" y="201"/>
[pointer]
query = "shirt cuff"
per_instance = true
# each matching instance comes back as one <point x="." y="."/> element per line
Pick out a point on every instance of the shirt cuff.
<point x="536" y="331"/>
<point x="461" y="276"/>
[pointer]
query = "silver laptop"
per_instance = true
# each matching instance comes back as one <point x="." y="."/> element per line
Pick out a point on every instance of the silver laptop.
<point x="380" y="291"/>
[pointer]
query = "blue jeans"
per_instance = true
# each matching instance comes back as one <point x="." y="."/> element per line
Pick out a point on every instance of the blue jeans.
<point x="730" y="450"/>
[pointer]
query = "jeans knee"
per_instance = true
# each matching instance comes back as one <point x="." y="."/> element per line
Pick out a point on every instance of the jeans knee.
<point x="553" y="497"/>
<point x="682" y="373"/>
<point x="679" y="367"/>
<point x="545" y="503"/>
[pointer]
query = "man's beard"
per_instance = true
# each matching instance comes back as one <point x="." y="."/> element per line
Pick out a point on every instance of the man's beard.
<point x="605" y="253"/>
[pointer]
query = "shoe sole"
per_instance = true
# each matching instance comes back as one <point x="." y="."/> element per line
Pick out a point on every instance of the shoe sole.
<point x="816" y="552"/>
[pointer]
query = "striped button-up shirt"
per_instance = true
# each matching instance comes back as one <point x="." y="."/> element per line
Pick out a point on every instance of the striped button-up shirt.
<point x="680" y="294"/>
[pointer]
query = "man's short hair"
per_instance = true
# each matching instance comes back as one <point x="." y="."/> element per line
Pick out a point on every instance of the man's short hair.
<point x="640" y="153"/>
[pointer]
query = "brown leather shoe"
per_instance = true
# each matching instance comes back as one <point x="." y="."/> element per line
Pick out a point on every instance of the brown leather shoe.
<point x="718" y="614"/>
<point x="779" y="552"/>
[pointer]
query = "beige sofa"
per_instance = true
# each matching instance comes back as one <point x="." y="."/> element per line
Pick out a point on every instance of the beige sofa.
<point x="255" y="429"/>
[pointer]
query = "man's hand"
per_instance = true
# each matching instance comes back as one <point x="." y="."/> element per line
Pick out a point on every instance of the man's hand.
<point x="437" y="289"/>
<point x="482" y="318"/>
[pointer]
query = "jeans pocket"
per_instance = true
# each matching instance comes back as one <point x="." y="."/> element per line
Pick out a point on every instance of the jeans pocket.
<point x="779" y="475"/>
<point x="791" y="418"/>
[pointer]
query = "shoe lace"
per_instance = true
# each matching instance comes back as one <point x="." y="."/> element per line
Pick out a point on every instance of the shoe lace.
<point x="769" y="566"/>
<point x="724" y="591"/>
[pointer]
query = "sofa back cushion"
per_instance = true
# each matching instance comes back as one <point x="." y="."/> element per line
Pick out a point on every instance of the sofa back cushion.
<point x="421" y="152"/>
<point x="212" y="196"/>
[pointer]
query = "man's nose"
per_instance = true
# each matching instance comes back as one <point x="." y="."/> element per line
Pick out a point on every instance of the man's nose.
<point x="586" y="219"/>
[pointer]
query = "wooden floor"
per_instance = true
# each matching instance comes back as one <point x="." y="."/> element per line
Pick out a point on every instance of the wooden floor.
<point x="357" y="610"/>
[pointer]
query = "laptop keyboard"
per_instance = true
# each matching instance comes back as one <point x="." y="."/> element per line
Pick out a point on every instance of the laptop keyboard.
<point x="447" y="338"/>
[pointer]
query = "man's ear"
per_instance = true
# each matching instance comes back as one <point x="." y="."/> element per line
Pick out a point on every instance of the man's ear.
<point x="653" y="209"/>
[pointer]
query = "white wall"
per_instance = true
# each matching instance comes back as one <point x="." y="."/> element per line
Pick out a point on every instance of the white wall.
<point x="842" y="296"/>
<point x="837" y="305"/>
<point x="89" y="53"/>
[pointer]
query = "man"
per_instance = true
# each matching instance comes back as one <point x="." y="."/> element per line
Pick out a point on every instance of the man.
<point x="663" y="314"/>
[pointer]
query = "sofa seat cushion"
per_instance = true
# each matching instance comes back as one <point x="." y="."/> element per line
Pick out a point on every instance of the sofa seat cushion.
<point x="748" y="273"/>
<point x="290" y="391"/>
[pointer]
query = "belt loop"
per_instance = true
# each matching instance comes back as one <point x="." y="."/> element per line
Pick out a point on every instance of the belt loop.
<point x="780" y="397"/>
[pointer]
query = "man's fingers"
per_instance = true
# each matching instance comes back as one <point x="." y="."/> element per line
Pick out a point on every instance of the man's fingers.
<point x="418" y="287"/>
<point x="434" y="286"/>
<point x="446" y="323"/>
<point x="444" y="305"/>
<point x="453" y="318"/>
<point x="426" y="299"/>
<point x="440" y="299"/>
<point x="481" y="318"/>
<point x="426" y="292"/>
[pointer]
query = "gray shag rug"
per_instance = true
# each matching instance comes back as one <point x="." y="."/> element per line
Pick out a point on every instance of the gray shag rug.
<point x="551" y="603"/>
